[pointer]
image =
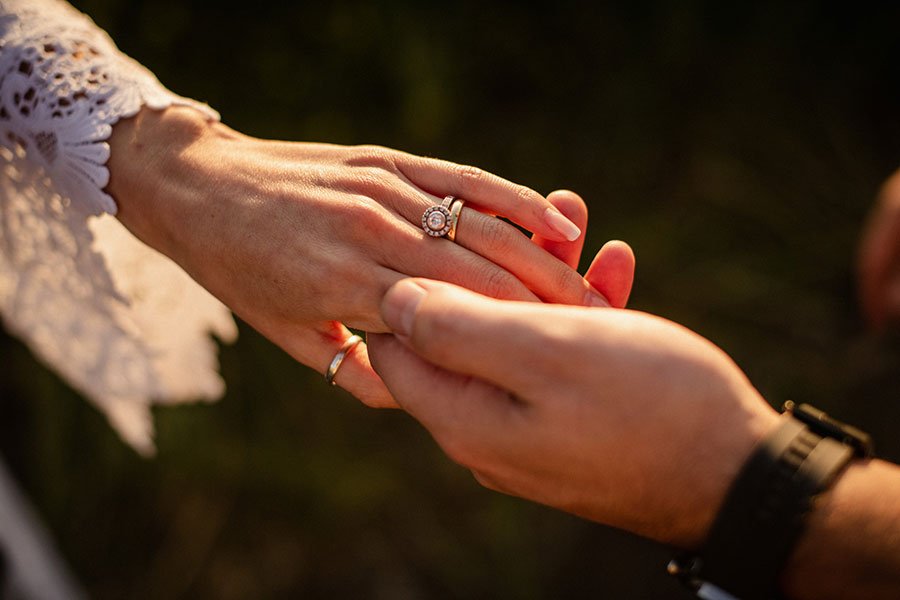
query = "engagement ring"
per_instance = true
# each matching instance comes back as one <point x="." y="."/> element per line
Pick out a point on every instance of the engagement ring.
<point x="436" y="219"/>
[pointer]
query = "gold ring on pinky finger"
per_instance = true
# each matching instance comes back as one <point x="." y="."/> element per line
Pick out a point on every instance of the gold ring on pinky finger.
<point x="455" y="211"/>
<point x="338" y="359"/>
<point x="436" y="219"/>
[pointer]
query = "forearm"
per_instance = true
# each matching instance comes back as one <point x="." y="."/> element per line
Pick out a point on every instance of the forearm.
<point x="851" y="548"/>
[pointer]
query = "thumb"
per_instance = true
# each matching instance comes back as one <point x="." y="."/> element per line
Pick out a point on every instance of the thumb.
<point x="470" y="334"/>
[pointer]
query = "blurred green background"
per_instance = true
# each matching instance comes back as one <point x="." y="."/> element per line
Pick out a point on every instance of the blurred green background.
<point x="737" y="148"/>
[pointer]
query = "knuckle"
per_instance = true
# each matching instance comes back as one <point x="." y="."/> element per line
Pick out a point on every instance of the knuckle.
<point x="468" y="177"/>
<point x="358" y="212"/>
<point x="373" y="181"/>
<point x="497" y="236"/>
<point x="365" y="221"/>
<point x="317" y="176"/>
<point x="373" y="156"/>
<point x="499" y="283"/>
<point x="526" y="195"/>
<point x="567" y="282"/>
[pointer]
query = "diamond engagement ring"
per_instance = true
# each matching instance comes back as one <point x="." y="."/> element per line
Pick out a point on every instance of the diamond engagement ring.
<point x="436" y="219"/>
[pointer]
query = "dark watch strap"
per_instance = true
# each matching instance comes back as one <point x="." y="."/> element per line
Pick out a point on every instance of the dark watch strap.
<point x="764" y="511"/>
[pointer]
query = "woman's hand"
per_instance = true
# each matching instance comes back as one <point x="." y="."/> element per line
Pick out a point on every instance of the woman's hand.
<point x="614" y="415"/>
<point x="879" y="259"/>
<point x="302" y="239"/>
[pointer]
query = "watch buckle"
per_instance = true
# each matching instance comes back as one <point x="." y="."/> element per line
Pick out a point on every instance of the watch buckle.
<point x="821" y="424"/>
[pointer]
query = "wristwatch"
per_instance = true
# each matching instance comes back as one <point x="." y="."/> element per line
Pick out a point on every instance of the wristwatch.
<point x="765" y="509"/>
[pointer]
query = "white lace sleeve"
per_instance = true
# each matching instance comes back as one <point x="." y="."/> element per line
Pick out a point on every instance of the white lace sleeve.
<point x="119" y="321"/>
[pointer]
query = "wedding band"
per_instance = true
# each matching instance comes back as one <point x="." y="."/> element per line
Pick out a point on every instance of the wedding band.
<point x="436" y="219"/>
<point x="338" y="359"/>
<point x="455" y="211"/>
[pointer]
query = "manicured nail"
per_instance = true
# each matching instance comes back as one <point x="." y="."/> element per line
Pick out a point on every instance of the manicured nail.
<point x="594" y="298"/>
<point x="560" y="224"/>
<point x="399" y="307"/>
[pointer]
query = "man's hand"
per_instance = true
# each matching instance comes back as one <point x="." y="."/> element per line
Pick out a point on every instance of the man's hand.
<point x="620" y="417"/>
<point x="614" y="415"/>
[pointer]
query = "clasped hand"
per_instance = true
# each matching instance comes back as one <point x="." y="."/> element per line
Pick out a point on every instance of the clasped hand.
<point x="302" y="240"/>
<point x="615" y="415"/>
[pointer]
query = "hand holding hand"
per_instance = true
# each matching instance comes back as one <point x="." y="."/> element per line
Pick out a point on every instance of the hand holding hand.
<point x="302" y="239"/>
<point x="614" y="415"/>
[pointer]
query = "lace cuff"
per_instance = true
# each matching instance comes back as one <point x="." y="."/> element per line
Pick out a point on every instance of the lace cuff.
<point x="119" y="321"/>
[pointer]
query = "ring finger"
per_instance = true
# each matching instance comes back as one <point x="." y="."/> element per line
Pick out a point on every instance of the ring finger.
<point x="500" y="243"/>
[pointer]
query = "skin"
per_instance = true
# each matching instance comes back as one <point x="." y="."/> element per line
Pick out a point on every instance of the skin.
<point x="601" y="413"/>
<point x="292" y="237"/>
<point x="302" y="240"/>
<point x="879" y="259"/>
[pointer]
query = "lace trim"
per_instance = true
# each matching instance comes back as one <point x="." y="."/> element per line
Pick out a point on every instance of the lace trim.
<point x="63" y="84"/>
<point x="117" y="320"/>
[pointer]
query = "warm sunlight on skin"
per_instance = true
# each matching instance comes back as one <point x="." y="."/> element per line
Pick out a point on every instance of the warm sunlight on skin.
<point x="302" y="240"/>
<point x="618" y="416"/>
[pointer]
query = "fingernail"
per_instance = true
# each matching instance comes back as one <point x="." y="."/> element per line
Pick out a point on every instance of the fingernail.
<point x="399" y="307"/>
<point x="560" y="224"/>
<point x="594" y="298"/>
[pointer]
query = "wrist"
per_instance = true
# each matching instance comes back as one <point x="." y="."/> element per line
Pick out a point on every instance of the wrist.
<point x="796" y="518"/>
<point x="155" y="173"/>
<point x="731" y="449"/>
<point x="844" y="552"/>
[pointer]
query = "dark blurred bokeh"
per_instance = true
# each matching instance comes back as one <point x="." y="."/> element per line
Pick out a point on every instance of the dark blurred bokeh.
<point x="737" y="148"/>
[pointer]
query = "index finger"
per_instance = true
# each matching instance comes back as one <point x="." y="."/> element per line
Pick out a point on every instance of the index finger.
<point x="496" y="195"/>
<point x="466" y="416"/>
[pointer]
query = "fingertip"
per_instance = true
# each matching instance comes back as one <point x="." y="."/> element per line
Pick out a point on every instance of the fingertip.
<point x="573" y="208"/>
<point x="358" y="376"/>
<point x="619" y="250"/>
<point x="571" y="205"/>
<point x="375" y="395"/>
<point x="593" y="298"/>
<point x="562" y="227"/>
<point x="398" y="307"/>
<point x="612" y="272"/>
